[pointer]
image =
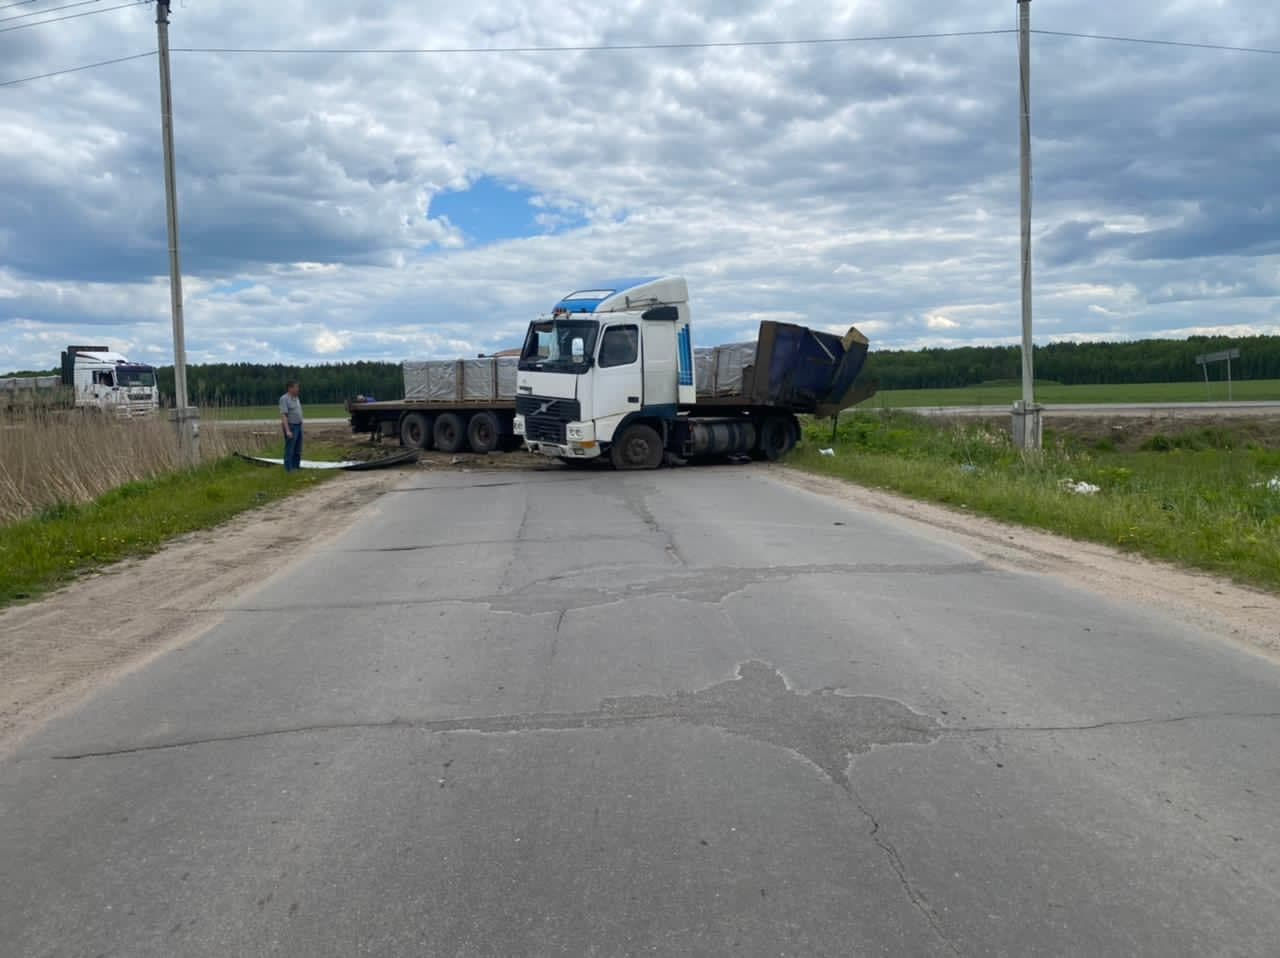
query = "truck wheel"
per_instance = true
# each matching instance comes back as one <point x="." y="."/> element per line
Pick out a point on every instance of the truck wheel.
<point x="777" y="438"/>
<point x="450" y="434"/>
<point x="639" y="447"/>
<point x="483" y="432"/>
<point x="415" y="431"/>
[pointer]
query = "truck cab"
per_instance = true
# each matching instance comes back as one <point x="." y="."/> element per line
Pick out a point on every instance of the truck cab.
<point x="609" y="356"/>
<point x="106" y="380"/>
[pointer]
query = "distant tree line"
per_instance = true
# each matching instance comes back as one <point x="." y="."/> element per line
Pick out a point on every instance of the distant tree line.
<point x="259" y="384"/>
<point x="1142" y="361"/>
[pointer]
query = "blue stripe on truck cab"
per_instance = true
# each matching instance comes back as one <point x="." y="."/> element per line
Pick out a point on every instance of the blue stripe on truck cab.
<point x="685" y="357"/>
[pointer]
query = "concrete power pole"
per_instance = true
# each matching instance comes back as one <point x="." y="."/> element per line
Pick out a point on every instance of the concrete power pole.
<point x="1027" y="426"/>
<point x="186" y="419"/>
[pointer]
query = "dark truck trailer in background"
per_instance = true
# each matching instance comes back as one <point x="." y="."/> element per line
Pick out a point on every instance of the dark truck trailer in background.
<point x="453" y="405"/>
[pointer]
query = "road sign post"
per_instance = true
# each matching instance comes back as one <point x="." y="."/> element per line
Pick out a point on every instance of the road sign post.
<point x="1225" y="356"/>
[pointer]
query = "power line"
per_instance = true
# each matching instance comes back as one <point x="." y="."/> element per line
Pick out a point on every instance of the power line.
<point x="814" y="41"/>
<point x="86" y="66"/>
<point x="72" y="16"/>
<point x="600" y="48"/>
<point x="41" y="13"/>
<point x="20" y="3"/>
<point x="1161" y="43"/>
<point x="712" y="44"/>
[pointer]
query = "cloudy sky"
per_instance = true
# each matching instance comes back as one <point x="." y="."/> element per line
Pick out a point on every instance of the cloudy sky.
<point x="406" y="205"/>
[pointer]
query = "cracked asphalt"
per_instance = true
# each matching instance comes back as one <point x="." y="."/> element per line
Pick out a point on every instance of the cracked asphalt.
<point x="692" y="712"/>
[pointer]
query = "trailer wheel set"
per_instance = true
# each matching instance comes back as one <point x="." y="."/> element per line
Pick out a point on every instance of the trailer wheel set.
<point x="480" y="432"/>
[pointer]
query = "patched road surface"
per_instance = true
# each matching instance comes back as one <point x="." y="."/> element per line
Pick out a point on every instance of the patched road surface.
<point x="691" y="712"/>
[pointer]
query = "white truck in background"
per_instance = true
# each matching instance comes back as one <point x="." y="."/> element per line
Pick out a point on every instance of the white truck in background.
<point x="613" y="372"/>
<point x="106" y="380"/>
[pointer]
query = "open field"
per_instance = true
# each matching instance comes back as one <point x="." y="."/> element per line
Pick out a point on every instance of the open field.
<point x="248" y="413"/>
<point x="1004" y="394"/>
<point x="1207" y="495"/>
<point x="79" y="492"/>
<point x="62" y="542"/>
<point x="58" y="460"/>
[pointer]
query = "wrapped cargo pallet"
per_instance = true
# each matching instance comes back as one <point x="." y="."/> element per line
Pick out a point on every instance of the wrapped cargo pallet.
<point x="460" y="380"/>
<point x="722" y="370"/>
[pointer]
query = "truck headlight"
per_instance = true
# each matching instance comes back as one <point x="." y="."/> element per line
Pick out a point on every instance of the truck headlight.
<point x="575" y="431"/>
<point x="517" y="425"/>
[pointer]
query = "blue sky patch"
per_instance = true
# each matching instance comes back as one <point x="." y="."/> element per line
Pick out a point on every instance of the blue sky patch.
<point x="491" y="210"/>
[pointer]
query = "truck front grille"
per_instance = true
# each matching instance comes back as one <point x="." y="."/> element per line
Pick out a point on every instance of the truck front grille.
<point x="545" y="419"/>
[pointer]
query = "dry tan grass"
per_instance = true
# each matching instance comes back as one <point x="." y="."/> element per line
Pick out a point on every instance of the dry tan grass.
<point x="66" y="457"/>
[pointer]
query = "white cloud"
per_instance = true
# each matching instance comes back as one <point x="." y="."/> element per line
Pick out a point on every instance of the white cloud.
<point x="326" y="343"/>
<point x="867" y="183"/>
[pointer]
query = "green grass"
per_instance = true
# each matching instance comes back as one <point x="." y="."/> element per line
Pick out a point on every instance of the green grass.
<point x="1000" y="394"/>
<point x="64" y="541"/>
<point x="243" y="413"/>
<point x="1199" y="499"/>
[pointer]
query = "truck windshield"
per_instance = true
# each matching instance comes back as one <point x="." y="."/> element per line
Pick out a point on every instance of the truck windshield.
<point x="135" y="376"/>
<point x="549" y="345"/>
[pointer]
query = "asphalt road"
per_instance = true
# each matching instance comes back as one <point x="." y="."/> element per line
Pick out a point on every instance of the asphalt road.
<point x="692" y="712"/>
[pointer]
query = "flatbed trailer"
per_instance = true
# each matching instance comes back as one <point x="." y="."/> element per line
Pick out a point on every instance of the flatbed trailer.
<point x="455" y="405"/>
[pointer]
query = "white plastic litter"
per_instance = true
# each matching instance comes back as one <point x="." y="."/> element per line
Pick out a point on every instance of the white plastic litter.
<point x="1081" y="488"/>
<point x="308" y="463"/>
<point x="1273" y="484"/>
<point x="826" y="452"/>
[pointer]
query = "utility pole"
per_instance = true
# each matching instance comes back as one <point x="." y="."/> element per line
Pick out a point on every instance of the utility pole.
<point x="1027" y="428"/>
<point x="185" y="418"/>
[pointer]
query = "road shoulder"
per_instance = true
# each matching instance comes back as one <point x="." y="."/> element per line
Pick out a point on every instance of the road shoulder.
<point x="56" y="650"/>
<point x="1215" y="605"/>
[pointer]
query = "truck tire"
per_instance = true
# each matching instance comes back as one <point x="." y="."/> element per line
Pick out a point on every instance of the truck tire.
<point x="450" y="433"/>
<point x="639" y="447"/>
<point x="415" y="431"/>
<point x="777" y="437"/>
<point x="484" y="432"/>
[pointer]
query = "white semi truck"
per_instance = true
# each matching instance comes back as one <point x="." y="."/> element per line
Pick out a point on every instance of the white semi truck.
<point x="106" y="380"/>
<point x="613" y="372"/>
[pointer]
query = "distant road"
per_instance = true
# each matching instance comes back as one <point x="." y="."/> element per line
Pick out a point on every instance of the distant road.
<point x="1171" y="409"/>
<point x="323" y="421"/>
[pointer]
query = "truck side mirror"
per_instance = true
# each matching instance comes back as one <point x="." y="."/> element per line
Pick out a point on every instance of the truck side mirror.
<point x="579" y="349"/>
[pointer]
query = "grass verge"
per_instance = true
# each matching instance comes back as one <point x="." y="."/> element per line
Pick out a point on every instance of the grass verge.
<point x="65" y="540"/>
<point x="1003" y="394"/>
<point x="1204" y="499"/>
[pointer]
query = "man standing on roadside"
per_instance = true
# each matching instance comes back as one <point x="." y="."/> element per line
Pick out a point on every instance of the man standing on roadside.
<point x="291" y="423"/>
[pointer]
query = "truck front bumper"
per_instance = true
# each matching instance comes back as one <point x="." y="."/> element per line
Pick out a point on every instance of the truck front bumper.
<point x="573" y="449"/>
<point x="579" y="441"/>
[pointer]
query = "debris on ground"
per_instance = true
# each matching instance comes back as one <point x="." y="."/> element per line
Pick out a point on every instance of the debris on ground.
<point x="1080" y="488"/>
<point x="406" y="457"/>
